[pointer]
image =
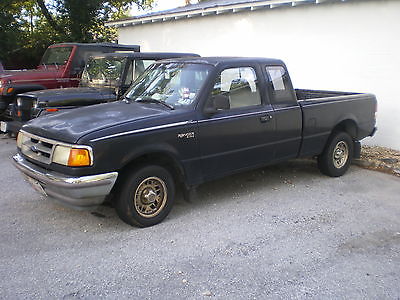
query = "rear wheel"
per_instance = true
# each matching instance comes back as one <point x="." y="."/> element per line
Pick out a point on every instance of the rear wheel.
<point x="146" y="197"/>
<point x="337" y="156"/>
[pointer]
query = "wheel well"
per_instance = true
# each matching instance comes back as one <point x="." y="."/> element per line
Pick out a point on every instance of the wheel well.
<point x="348" y="126"/>
<point x="156" y="158"/>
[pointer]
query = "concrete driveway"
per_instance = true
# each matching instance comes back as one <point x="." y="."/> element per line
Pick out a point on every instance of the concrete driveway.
<point x="280" y="232"/>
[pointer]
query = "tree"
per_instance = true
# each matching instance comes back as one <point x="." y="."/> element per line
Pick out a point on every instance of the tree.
<point x="28" y="27"/>
<point x="15" y="27"/>
<point x="83" y="21"/>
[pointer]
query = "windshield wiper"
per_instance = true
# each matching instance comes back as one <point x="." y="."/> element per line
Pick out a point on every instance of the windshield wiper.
<point x="152" y="100"/>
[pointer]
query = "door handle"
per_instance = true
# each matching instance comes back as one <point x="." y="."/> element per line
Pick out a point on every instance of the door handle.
<point x="265" y="119"/>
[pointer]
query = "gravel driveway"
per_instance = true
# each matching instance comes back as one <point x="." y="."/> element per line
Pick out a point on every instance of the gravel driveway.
<point x="280" y="232"/>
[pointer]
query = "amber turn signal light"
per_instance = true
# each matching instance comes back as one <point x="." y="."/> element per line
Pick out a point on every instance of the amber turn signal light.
<point x="79" y="158"/>
<point x="52" y="109"/>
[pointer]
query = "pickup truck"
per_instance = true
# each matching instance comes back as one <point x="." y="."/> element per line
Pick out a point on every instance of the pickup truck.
<point x="105" y="78"/>
<point x="184" y="122"/>
<point x="60" y="66"/>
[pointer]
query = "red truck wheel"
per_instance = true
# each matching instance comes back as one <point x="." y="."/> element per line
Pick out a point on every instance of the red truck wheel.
<point x="146" y="197"/>
<point x="337" y="156"/>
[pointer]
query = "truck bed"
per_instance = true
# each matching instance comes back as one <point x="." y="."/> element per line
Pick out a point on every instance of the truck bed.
<point x="323" y="110"/>
<point x="303" y="94"/>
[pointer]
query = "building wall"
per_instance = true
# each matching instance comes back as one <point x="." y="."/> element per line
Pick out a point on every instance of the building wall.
<point x="345" y="46"/>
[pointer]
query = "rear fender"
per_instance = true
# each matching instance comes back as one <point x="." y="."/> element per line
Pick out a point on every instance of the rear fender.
<point x="348" y="125"/>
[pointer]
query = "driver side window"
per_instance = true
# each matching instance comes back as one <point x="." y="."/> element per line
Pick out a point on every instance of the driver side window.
<point x="239" y="85"/>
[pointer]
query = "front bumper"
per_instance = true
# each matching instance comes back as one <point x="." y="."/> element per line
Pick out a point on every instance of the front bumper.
<point x="76" y="192"/>
<point x="11" y="126"/>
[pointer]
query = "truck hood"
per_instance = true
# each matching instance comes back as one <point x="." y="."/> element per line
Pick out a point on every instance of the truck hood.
<point x="70" y="126"/>
<point x="72" y="96"/>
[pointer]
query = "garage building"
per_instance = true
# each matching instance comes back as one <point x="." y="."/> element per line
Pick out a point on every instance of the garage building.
<point x="348" y="45"/>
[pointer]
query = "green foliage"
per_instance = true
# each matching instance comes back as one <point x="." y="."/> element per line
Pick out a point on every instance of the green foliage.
<point x="27" y="28"/>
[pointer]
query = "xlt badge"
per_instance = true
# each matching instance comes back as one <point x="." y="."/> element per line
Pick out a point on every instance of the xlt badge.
<point x="187" y="135"/>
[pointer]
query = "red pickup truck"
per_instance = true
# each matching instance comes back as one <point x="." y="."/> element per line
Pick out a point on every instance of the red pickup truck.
<point x="61" y="66"/>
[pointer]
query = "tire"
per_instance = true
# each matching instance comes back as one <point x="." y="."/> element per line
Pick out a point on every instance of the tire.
<point x="337" y="155"/>
<point x="146" y="196"/>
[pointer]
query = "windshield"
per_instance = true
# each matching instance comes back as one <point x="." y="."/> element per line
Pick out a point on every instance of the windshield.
<point x="175" y="84"/>
<point x="56" y="56"/>
<point x="100" y="71"/>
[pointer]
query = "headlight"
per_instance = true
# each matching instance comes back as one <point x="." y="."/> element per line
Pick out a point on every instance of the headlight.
<point x="21" y="139"/>
<point x="61" y="155"/>
<point x="72" y="157"/>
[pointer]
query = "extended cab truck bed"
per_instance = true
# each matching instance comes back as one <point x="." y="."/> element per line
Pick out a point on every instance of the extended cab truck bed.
<point x="105" y="78"/>
<point x="184" y="122"/>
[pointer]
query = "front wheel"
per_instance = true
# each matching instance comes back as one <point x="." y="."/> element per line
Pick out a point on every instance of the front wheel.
<point x="337" y="156"/>
<point x="146" y="197"/>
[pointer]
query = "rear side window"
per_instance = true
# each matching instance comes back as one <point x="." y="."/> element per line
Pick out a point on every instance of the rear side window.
<point x="240" y="85"/>
<point x="281" y="91"/>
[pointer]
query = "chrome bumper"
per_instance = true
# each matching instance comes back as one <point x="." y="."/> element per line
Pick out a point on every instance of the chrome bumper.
<point x="77" y="192"/>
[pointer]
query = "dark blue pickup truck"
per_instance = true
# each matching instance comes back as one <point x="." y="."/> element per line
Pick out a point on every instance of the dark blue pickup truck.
<point x="187" y="121"/>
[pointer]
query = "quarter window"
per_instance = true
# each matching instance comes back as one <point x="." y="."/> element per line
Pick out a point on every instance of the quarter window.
<point x="276" y="76"/>
<point x="280" y="89"/>
<point x="239" y="85"/>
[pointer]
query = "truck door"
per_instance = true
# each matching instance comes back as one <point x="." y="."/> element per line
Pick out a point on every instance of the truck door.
<point x="288" y="116"/>
<point x="236" y="137"/>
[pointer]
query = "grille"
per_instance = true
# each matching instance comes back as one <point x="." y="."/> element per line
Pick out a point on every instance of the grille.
<point x="38" y="148"/>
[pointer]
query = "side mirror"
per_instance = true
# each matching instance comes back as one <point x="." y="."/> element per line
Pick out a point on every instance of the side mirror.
<point x="217" y="103"/>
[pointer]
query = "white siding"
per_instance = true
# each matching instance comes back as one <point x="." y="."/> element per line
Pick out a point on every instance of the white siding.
<point x="349" y="46"/>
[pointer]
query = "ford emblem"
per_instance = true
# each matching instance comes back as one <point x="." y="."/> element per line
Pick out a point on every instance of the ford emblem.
<point x="34" y="149"/>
